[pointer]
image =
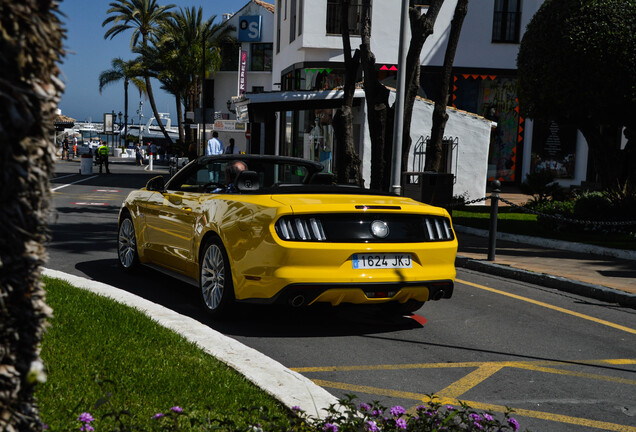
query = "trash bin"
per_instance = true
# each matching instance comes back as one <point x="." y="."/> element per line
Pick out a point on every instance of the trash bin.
<point x="429" y="187"/>
<point x="86" y="164"/>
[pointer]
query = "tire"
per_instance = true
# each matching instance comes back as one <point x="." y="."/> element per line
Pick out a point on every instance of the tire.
<point x="215" y="279"/>
<point x="127" y="245"/>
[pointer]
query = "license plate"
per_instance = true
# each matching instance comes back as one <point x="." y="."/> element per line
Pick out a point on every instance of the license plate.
<point x="382" y="260"/>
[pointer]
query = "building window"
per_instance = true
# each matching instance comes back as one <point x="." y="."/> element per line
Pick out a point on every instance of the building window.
<point x="258" y="89"/>
<point x="230" y="56"/>
<point x="506" y="21"/>
<point x="278" y="26"/>
<point x="300" y="17"/>
<point x="292" y="21"/>
<point x="261" y="57"/>
<point x="355" y="17"/>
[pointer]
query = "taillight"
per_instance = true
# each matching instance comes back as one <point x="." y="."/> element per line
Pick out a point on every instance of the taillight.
<point x="298" y="228"/>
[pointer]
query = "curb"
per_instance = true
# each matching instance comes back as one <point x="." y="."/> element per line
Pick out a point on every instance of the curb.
<point x="584" y="289"/>
<point x="597" y="292"/>
<point x="551" y="244"/>
<point x="288" y="387"/>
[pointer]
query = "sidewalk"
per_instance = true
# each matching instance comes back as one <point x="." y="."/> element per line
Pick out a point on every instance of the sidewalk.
<point x="600" y="273"/>
<point x="602" y="277"/>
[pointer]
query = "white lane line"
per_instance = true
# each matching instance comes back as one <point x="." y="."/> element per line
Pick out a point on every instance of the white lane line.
<point x="61" y="177"/>
<point x="79" y="181"/>
<point x="289" y="387"/>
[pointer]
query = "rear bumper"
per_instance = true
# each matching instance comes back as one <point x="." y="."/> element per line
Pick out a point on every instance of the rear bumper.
<point x="300" y="294"/>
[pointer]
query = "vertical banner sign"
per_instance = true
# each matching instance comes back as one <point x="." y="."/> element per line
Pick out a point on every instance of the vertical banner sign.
<point x="242" y="84"/>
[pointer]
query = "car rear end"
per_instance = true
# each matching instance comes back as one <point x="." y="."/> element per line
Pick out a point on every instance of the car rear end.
<point x="359" y="249"/>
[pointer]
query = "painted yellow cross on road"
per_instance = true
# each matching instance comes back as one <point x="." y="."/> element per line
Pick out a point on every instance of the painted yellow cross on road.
<point x="481" y="371"/>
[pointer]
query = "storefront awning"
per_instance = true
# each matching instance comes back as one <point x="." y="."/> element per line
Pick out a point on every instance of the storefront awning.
<point x="292" y="100"/>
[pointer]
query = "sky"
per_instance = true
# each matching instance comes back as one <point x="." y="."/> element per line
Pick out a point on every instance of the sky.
<point x="88" y="54"/>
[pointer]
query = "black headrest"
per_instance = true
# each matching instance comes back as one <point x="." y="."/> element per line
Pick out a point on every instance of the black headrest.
<point x="323" y="178"/>
<point x="247" y="181"/>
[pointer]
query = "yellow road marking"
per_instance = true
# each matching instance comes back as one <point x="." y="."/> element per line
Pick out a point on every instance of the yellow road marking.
<point x="388" y="367"/>
<point x="549" y="306"/>
<point x="571" y="373"/>
<point x="479" y="406"/>
<point x="460" y="365"/>
<point x="471" y="380"/>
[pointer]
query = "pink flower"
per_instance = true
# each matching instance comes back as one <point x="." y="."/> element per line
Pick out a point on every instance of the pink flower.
<point x="85" y="417"/>
<point x="397" y="410"/>
<point x="372" y="426"/>
<point x="512" y="422"/>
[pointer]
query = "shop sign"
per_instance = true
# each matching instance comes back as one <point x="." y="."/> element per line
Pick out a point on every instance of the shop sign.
<point x="249" y="28"/>
<point x="230" y="126"/>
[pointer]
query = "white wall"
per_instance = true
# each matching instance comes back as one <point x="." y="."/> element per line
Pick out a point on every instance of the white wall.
<point x="226" y="86"/>
<point x="473" y="133"/>
<point x="475" y="48"/>
<point x="226" y="82"/>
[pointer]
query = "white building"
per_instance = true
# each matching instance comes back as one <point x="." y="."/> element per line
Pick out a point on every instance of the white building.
<point x="254" y="30"/>
<point x="308" y="63"/>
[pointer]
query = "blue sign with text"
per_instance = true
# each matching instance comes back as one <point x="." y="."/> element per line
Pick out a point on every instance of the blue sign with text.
<point x="249" y="28"/>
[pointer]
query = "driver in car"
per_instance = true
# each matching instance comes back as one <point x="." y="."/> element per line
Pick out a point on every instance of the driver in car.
<point x="232" y="170"/>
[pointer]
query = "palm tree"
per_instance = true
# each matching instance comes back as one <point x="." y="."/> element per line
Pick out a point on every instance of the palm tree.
<point x="129" y="71"/>
<point x="177" y="56"/>
<point x="143" y="17"/>
<point x="31" y="41"/>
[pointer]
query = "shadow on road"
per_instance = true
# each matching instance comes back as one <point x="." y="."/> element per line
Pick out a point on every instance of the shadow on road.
<point x="247" y="319"/>
<point x="115" y="180"/>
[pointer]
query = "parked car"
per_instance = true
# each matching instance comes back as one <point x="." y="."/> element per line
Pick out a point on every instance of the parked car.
<point x="271" y="229"/>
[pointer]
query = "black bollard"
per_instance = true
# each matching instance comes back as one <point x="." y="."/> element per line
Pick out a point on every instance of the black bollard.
<point x="494" y="208"/>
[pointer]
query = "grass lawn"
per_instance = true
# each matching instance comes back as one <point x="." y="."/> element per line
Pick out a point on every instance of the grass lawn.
<point x="513" y="221"/>
<point x="96" y="347"/>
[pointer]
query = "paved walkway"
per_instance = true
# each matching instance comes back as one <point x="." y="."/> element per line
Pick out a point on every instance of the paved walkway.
<point x="604" y="274"/>
<point x="592" y="274"/>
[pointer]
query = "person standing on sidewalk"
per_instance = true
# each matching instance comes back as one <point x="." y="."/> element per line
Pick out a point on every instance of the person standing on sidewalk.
<point x="215" y="146"/>
<point x="103" y="152"/>
<point x="65" y="149"/>
<point x="138" y="158"/>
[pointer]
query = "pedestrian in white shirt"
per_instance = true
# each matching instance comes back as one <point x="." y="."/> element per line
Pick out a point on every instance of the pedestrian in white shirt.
<point x="215" y="146"/>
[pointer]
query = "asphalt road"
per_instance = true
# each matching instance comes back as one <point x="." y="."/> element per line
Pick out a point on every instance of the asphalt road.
<point x="563" y="362"/>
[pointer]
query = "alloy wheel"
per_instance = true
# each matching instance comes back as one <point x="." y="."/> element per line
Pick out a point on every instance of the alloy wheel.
<point x="127" y="245"/>
<point x="213" y="277"/>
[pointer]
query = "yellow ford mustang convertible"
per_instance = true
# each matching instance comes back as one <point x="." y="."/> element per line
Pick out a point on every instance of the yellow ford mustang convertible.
<point x="271" y="229"/>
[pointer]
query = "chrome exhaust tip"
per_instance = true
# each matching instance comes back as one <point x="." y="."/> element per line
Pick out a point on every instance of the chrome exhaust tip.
<point x="298" y="301"/>
<point x="437" y="295"/>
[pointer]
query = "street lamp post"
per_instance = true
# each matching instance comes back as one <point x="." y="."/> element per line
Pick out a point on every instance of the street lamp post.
<point x="112" y="131"/>
<point x="119" y="115"/>
<point x="400" y="93"/>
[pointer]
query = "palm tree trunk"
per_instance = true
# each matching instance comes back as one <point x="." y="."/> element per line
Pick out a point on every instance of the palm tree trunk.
<point x="421" y="27"/>
<point x="32" y="48"/>
<point x="151" y="97"/>
<point x="377" y="103"/>
<point x="180" y="119"/>
<point x="153" y="105"/>
<point x="440" y="117"/>
<point x="349" y="161"/>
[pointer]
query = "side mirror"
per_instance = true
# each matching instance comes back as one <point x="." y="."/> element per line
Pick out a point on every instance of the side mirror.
<point x="156" y="184"/>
